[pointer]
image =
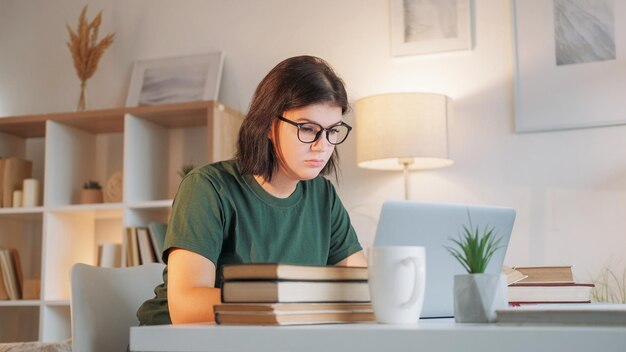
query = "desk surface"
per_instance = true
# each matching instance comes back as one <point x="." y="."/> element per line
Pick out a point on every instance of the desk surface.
<point x="439" y="334"/>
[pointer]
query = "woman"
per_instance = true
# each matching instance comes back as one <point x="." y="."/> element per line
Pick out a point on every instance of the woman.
<point x="270" y="204"/>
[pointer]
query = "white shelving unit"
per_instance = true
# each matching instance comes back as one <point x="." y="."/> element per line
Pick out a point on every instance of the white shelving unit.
<point x="148" y="144"/>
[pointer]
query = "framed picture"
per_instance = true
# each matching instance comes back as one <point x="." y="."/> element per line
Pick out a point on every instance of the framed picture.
<point x="570" y="64"/>
<point x="430" y="26"/>
<point x="176" y="79"/>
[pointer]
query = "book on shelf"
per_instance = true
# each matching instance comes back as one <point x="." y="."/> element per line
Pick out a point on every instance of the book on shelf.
<point x="293" y="313"/>
<point x="137" y="247"/>
<point x="11" y="273"/>
<point x="15" y="171"/>
<point x="550" y="274"/>
<point x="157" y="235"/>
<point x="565" y="314"/>
<point x="1" y="182"/>
<point x="4" y="294"/>
<point x="146" y="251"/>
<point x="130" y="247"/>
<point x="110" y="255"/>
<point x="274" y="271"/>
<point x="522" y="293"/>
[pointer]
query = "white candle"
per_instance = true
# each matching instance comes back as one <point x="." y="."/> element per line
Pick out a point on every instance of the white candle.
<point x="17" y="198"/>
<point x="31" y="192"/>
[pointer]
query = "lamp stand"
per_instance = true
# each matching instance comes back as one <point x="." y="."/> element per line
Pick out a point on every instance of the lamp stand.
<point x="405" y="167"/>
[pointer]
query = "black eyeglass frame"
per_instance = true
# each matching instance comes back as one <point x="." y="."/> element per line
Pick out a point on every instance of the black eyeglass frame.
<point x="319" y="133"/>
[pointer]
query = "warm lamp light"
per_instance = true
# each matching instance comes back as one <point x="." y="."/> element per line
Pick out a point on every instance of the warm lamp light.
<point x="403" y="131"/>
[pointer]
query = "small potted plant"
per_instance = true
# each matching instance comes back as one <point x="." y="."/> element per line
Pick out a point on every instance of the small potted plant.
<point x="477" y="295"/>
<point x="91" y="192"/>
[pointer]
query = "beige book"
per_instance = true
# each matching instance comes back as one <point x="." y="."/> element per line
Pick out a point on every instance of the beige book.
<point x="293" y="272"/>
<point x="543" y="274"/>
<point x="15" y="171"/>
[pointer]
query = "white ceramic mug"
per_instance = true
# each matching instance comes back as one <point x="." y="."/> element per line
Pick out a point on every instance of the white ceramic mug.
<point x="397" y="281"/>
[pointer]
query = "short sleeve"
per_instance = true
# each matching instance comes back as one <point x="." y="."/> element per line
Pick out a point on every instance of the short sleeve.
<point x="343" y="240"/>
<point x="197" y="220"/>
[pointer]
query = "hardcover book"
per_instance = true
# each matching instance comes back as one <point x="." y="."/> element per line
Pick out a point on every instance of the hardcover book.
<point x="292" y="313"/>
<point x="295" y="291"/>
<point x="292" y="272"/>
<point x="541" y="274"/>
<point x="550" y="293"/>
<point x="565" y="314"/>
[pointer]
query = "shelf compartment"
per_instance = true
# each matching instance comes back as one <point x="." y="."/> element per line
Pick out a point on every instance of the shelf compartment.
<point x="23" y="232"/>
<point x="32" y="149"/>
<point x="19" y="323"/>
<point x="77" y="156"/>
<point x="73" y="235"/>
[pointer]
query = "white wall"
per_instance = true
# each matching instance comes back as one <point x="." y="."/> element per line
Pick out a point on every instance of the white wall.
<point x="568" y="187"/>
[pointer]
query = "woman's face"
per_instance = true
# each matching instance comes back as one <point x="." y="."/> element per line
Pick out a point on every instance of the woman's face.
<point x="298" y="160"/>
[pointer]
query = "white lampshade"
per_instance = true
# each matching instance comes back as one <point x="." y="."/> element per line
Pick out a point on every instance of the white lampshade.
<point x="400" y="130"/>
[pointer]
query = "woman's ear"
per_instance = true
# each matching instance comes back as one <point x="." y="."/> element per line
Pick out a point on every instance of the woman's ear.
<point x="272" y="134"/>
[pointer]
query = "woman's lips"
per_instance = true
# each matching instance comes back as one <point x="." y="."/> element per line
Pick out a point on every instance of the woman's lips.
<point x="314" y="162"/>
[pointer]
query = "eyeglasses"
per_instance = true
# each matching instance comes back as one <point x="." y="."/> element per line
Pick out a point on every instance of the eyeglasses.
<point x="309" y="132"/>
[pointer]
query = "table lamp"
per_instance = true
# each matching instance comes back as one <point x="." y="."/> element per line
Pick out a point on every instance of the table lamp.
<point x="403" y="131"/>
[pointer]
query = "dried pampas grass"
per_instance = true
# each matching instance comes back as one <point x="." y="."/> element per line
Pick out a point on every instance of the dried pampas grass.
<point x="86" y="50"/>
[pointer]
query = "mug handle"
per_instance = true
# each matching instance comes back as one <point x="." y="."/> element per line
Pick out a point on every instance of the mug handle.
<point x="414" y="294"/>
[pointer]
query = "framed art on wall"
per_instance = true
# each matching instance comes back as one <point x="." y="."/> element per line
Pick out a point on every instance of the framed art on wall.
<point x="176" y="79"/>
<point x="430" y="26"/>
<point x="570" y="65"/>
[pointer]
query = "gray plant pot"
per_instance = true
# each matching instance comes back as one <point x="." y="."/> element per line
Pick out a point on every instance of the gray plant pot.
<point x="478" y="296"/>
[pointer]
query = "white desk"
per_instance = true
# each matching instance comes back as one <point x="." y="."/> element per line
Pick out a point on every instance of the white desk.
<point x="428" y="335"/>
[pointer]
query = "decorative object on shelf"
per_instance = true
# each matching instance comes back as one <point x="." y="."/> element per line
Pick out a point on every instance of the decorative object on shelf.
<point x="185" y="169"/>
<point x="477" y="295"/>
<point x="86" y="50"/>
<point x="430" y="26"/>
<point x="176" y="79"/>
<point x="610" y="284"/>
<point x="31" y="193"/>
<point x="91" y="192"/>
<point x="403" y="131"/>
<point x="17" y="198"/>
<point x="113" y="190"/>
<point x="569" y="72"/>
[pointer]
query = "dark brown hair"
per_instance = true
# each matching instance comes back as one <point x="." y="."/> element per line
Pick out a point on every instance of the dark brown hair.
<point x="294" y="83"/>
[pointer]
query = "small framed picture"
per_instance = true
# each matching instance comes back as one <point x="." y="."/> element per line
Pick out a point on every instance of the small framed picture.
<point x="175" y="79"/>
<point x="430" y="26"/>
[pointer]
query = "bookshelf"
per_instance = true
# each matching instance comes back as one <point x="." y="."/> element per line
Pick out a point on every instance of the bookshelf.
<point x="148" y="144"/>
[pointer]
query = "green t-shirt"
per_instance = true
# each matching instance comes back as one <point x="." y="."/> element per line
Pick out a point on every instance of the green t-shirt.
<point x="229" y="218"/>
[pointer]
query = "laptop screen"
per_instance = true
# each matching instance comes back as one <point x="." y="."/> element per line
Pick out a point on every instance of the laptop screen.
<point x="432" y="225"/>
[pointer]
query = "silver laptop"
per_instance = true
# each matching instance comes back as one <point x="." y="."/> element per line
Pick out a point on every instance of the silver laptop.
<point x="431" y="225"/>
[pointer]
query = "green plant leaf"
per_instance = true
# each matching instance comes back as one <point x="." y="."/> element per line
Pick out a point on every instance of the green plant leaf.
<point x="474" y="248"/>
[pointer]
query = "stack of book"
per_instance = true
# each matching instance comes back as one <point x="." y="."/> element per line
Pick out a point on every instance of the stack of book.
<point x="546" y="284"/>
<point x="282" y="294"/>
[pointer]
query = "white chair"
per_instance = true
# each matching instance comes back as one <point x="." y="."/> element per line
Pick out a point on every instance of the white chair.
<point x="105" y="301"/>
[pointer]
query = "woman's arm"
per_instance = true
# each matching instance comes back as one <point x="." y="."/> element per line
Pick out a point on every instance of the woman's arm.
<point x="191" y="291"/>
<point x="356" y="259"/>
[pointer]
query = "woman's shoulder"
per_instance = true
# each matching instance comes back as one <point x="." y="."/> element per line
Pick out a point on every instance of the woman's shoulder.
<point x="220" y="169"/>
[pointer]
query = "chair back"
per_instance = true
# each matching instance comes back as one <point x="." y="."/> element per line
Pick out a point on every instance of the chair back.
<point x="105" y="301"/>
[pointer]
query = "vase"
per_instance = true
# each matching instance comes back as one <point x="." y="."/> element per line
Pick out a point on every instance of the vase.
<point x="478" y="296"/>
<point x="91" y="196"/>
<point x="82" y="104"/>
